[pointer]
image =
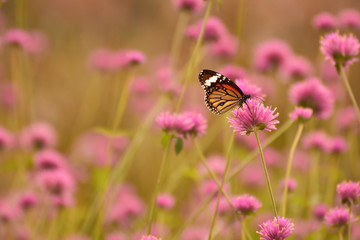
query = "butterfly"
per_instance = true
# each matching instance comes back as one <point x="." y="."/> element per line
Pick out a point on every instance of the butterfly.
<point x="221" y="94"/>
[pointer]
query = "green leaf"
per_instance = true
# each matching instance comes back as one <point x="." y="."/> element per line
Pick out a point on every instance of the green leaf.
<point x="165" y="140"/>
<point x="178" y="145"/>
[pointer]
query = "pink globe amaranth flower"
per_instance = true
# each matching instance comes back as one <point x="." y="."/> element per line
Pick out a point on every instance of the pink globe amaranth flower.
<point x="292" y="184"/>
<point x="8" y="211"/>
<point x="337" y="145"/>
<point x="340" y="50"/>
<point x="316" y="140"/>
<point x="349" y="18"/>
<point x="225" y="47"/>
<point x="214" y="29"/>
<point x="149" y="237"/>
<point x="311" y="93"/>
<point x="337" y="217"/>
<point x="216" y="164"/>
<point x="325" y="21"/>
<point x="297" y="68"/>
<point x="192" y="6"/>
<point x="346" y="119"/>
<point x="301" y="114"/>
<point x="250" y="89"/>
<point x="38" y="136"/>
<point x="32" y="42"/>
<point x="271" y="55"/>
<point x="320" y="210"/>
<point x="165" y="201"/>
<point x="131" y="58"/>
<point x="246" y="204"/>
<point x="209" y="187"/>
<point x="28" y="201"/>
<point x="223" y="207"/>
<point x="127" y="206"/>
<point x="233" y="72"/>
<point x="49" y="159"/>
<point x="56" y="182"/>
<point x="199" y="123"/>
<point x="166" y="121"/>
<point x="7" y="140"/>
<point x="348" y="191"/>
<point x="277" y="229"/>
<point x="253" y="116"/>
<point x="105" y="60"/>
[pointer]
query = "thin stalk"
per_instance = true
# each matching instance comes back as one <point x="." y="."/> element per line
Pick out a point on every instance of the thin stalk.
<point x="289" y="164"/>
<point x="351" y="94"/>
<point x="158" y="182"/>
<point x="254" y="154"/>
<point x="341" y="234"/>
<point x="194" y="56"/>
<point x="243" y="229"/>
<point x="214" y="177"/>
<point x="349" y="222"/>
<point x="266" y="175"/>
<point x="178" y="37"/>
<point x="228" y="161"/>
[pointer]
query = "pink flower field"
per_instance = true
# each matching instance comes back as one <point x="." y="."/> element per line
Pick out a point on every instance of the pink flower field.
<point x="179" y="120"/>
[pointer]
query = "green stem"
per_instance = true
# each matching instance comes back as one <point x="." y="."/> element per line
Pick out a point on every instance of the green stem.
<point x="266" y="174"/>
<point x="214" y="177"/>
<point x="228" y="161"/>
<point x="349" y="222"/>
<point x="254" y="154"/>
<point x="243" y="229"/>
<point x="289" y="164"/>
<point x="341" y="234"/>
<point x="351" y="94"/>
<point x="158" y="182"/>
<point x="194" y="57"/>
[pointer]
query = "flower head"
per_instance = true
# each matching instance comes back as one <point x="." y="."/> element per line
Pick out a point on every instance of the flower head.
<point x="316" y="140"/>
<point x="214" y="29"/>
<point x="292" y="184"/>
<point x="250" y="89"/>
<point x="324" y="21"/>
<point x="320" y="210"/>
<point x="349" y="18"/>
<point x="104" y="60"/>
<point x="254" y="116"/>
<point x="166" y="201"/>
<point x="337" y="145"/>
<point x="297" y="68"/>
<point x="246" y="204"/>
<point x="189" y="5"/>
<point x="311" y="93"/>
<point x="37" y="136"/>
<point x="337" y="217"/>
<point x="49" y="159"/>
<point x="225" y="47"/>
<point x="340" y="50"/>
<point x="271" y="55"/>
<point x="348" y="191"/>
<point x="27" y="201"/>
<point x="301" y="113"/>
<point x="131" y="58"/>
<point x="31" y="42"/>
<point x="276" y="229"/>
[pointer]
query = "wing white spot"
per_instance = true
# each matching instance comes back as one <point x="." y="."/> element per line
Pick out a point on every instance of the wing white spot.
<point x="211" y="80"/>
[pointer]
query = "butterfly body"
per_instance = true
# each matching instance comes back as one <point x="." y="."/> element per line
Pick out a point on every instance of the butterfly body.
<point x="221" y="94"/>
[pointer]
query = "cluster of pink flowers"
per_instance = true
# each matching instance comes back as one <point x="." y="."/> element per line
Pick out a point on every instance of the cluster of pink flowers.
<point x="110" y="61"/>
<point x="321" y="141"/>
<point x="183" y="124"/>
<point x="340" y="50"/>
<point x="347" y="18"/>
<point x="246" y="204"/>
<point x="278" y="229"/>
<point x="349" y="192"/>
<point x="32" y="42"/>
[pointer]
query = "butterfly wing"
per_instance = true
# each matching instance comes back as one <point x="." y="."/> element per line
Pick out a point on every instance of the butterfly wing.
<point x="221" y="94"/>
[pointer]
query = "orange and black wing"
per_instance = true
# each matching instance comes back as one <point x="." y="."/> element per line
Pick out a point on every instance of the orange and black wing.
<point x="221" y="94"/>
